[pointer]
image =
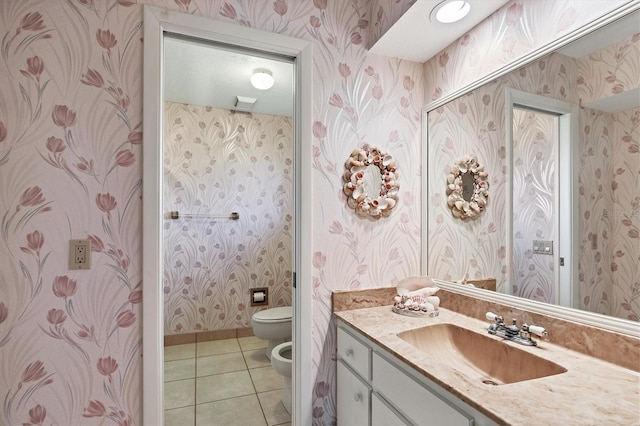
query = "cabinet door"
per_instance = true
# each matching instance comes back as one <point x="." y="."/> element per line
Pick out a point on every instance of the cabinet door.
<point x="381" y="415"/>
<point x="353" y="398"/>
<point x="412" y="399"/>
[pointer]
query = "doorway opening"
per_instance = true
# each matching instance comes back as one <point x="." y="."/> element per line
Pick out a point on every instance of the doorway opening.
<point x="227" y="230"/>
<point x="541" y="198"/>
<point x="158" y="24"/>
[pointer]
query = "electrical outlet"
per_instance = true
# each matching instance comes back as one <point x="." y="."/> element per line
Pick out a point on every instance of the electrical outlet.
<point x="80" y="254"/>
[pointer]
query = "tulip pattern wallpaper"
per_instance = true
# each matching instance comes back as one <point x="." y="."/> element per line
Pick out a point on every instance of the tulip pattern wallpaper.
<point x="535" y="168"/>
<point x="217" y="162"/>
<point x="609" y="201"/>
<point x="70" y="167"/>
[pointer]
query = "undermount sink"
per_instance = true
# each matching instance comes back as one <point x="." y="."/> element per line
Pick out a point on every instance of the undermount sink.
<point x="479" y="356"/>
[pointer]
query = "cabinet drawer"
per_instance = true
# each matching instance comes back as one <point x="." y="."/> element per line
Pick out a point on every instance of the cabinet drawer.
<point x="354" y="353"/>
<point x="415" y="401"/>
<point x="353" y="398"/>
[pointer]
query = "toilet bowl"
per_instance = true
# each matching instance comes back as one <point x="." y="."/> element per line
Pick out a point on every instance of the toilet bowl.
<point x="282" y="363"/>
<point x="273" y="325"/>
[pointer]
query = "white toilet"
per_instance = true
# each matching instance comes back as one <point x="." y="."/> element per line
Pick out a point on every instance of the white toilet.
<point x="281" y="362"/>
<point x="273" y="325"/>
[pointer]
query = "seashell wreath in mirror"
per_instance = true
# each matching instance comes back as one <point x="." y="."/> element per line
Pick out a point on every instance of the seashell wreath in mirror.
<point x="371" y="182"/>
<point x="467" y="188"/>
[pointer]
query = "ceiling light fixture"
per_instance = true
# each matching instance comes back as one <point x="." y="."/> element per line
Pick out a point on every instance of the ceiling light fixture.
<point x="450" y="11"/>
<point x="262" y="79"/>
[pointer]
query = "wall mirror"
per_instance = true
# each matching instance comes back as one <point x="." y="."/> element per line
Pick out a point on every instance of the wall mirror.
<point x="569" y="176"/>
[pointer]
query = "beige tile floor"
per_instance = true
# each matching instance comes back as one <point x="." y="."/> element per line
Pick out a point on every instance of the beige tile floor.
<point x="223" y="382"/>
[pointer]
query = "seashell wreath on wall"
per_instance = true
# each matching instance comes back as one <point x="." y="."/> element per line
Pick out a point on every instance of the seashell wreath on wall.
<point x="467" y="202"/>
<point x="371" y="161"/>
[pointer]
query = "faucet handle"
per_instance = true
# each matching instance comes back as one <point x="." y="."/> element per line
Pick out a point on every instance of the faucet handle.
<point x="537" y="330"/>
<point x="494" y="317"/>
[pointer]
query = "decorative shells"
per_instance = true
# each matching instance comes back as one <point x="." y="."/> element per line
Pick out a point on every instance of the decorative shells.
<point x="373" y="205"/>
<point x="477" y="201"/>
<point x="416" y="297"/>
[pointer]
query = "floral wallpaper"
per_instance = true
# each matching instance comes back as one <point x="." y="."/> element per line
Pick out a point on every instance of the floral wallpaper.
<point x="217" y="162"/>
<point x="610" y="204"/>
<point x="70" y="120"/>
<point x="474" y="123"/>
<point x="535" y="135"/>
<point x="609" y="180"/>
<point x="70" y="167"/>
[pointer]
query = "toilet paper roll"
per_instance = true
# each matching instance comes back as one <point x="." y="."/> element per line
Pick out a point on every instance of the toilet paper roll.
<point x="258" y="297"/>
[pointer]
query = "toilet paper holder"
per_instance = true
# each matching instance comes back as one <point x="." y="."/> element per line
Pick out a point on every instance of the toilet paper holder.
<point x="259" y="296"/>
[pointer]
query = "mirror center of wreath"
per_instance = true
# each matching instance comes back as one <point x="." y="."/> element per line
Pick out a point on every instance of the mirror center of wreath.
<point x="372" y="179"/>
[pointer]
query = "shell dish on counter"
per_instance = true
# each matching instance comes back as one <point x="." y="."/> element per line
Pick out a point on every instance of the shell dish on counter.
<point x="416" y="298"/>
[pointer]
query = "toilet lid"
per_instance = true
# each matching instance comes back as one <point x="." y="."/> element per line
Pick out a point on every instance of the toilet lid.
<point x="273" y="314"/>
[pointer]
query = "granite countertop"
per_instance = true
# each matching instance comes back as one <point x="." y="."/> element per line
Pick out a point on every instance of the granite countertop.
<point x="590" y="392"/>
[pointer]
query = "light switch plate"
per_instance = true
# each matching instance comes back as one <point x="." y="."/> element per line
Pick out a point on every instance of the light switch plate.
<point x="543" y="247"/>
<point x="79" y="254"/>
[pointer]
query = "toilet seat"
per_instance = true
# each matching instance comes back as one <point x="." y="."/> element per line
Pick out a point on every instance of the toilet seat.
<point x="273" y="315"/>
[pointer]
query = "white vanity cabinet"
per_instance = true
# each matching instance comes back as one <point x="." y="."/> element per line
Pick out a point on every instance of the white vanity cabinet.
<point x="354" y="377"/>
<point x="376" y="388"/>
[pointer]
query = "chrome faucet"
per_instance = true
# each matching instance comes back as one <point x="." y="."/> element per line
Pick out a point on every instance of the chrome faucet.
<point x="511" y="332"/>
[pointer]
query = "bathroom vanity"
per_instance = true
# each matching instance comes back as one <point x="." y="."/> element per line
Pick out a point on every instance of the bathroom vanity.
<point x="374" y="387"/>
<point x="393" y="369"/>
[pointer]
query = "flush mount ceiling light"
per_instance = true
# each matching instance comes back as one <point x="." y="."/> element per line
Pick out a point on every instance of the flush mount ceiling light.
<point x="262" y="79"/>
<point x="450" y="11"/>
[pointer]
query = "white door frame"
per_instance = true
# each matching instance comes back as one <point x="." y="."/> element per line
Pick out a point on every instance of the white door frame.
<point x="156" y="23"/>
<point x="566" y="277"/>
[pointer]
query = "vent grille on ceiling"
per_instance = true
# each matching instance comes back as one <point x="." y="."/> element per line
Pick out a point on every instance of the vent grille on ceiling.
<point x="244" y="103"/>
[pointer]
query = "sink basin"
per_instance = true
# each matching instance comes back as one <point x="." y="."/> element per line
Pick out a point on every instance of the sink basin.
<point x="479" y="356"/>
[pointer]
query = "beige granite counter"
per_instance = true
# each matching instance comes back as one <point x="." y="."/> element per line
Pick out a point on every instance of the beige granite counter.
<point x="591" y="392"/>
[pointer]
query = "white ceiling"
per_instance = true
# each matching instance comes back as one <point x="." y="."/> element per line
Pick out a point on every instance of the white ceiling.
<point x="614" y="32"/>
<point x="416" y="38"/>
<point x="200" y="73"/>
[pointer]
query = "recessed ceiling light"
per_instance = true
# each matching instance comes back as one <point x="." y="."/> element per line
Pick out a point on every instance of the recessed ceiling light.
<point x="450" y="11"/>
<point x="262" y="79"/>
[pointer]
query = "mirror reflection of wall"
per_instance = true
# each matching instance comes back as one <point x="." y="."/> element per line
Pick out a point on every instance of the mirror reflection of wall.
<point x="535" y="143"/>
<point x="601" y="79"/>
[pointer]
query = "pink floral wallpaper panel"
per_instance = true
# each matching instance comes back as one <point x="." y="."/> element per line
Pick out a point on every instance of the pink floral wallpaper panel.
<point x="625" y="217"/>
<point x="609" y="204"/>
<point x="70" y="167"/>
<point x="218" y="162"/>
